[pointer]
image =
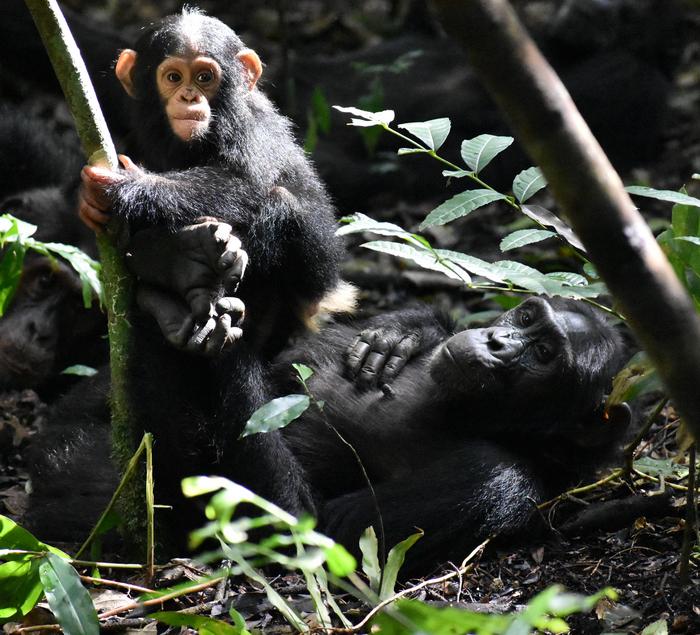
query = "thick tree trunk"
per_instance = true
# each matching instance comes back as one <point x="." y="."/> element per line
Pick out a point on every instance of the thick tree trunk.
<point x="588" y="189"/>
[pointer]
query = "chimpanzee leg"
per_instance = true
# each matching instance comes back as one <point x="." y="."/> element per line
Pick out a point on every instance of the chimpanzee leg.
<point x="478" y="490"/>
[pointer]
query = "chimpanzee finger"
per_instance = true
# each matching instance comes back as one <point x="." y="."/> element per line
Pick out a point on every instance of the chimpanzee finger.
<point x="196" y="343"/>
<point x="222" y="337"/>
<point x="129" y="165"/>
<point x="357" y="352"/>
<point x="401" y="353"/>
<point x="374" y="364"/>
<point x="173" y="315"/>
<point x="233" y="307"/>
<point x="200" y="302"/>
<point x="232" y="265"/>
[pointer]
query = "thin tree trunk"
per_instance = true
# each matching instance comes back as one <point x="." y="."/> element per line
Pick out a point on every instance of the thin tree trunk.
<point x="588" y="189"/>
<point x="99" y="149"/>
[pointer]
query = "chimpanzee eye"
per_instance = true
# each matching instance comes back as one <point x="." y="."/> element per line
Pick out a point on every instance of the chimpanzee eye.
<point x="205" y="76"/>
<point x="525" y="318"/>
<point x="173" y="77"/>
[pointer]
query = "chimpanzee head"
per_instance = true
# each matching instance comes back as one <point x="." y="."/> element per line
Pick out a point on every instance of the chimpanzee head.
<point x="189" y="72"/>
<point x="544" y="360"/>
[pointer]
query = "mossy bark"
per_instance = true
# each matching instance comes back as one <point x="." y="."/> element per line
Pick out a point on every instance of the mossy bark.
<point x="117" y="283"/>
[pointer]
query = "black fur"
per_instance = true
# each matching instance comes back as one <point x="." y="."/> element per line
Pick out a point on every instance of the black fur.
<point x="247" y="171"/>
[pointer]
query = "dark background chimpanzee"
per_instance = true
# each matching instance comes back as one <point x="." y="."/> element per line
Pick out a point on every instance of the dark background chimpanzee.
<point x="218" y="148"/>
<point x="46" y="327"/>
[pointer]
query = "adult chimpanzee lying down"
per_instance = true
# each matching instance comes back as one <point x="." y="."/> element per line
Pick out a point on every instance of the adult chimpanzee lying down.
<point x="461" y="434"/>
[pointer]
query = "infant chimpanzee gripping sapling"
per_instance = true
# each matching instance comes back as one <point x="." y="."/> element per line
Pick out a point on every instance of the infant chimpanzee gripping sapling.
<point x="221" y="161"/>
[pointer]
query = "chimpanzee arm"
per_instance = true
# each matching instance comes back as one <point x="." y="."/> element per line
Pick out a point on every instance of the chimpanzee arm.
<point x="288" y="232"/>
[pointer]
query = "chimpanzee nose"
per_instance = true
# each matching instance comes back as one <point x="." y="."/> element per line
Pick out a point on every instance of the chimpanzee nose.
<point x="503" y="343"/>
<point x="189" y="95"/>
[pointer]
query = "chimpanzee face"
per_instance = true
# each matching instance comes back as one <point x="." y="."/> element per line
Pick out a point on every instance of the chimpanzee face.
<point x="532" y="350"/>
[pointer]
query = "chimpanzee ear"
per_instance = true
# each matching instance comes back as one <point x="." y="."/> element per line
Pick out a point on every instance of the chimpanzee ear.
<point x="618" y="415"/>
<point x="124" y="69"/>
<point x="252" y="64"/>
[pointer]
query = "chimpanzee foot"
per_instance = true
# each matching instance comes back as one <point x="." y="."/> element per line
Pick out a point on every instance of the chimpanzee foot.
<point x="196" y="262"/>
<point x="221" y="330"/>
<point x="377" y="356"/>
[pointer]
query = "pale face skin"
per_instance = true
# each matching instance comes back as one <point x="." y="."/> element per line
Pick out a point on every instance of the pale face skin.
<point x="186" y="87"/>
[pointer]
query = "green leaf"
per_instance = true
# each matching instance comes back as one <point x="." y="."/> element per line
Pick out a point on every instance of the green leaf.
<point x="12" y="229"/>
<point x="67" y="597"/>
<point x="80" y="370"/>
<point x="87" y="268"/>
<point x="480" y="151"/>
<point x="402" y="151"/>
<point x="663" y="195"/>
<point x="303" y="371"/>
<point x="276" y="414"/>
<point x="548" y="219"/>
<point x="367" y="118"/>
<point x="528" y="183"/>
<point x="657" y="467"/>
<point x="422" y="257"/>
<point x="339" y="560"/>
<point x="203" y="625"/>
<point x="432" y="133"/>
<point x="10" y="272"/>
<point x="524" y="237"/>
<point x="660" y="627"/>
<point x="473" y="265"/>
<point x="394" y="562"/>
<point x="369" y="547"/>
<point x="360" y="223"/>
<point x="568" y="278"/>
<point x="690" y="239"/>
<point x="460" y="205"/>
<point x="456" y="174"/>
<point x="20" y="586"/>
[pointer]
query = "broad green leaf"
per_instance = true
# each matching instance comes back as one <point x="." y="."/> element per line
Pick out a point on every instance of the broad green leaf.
<point x="663" y="195"/>
<point x="690" y="239"/>
<point x="361" y="223"/>
<point x="367" y="118"/>
<point x="660" y="627"/>
<point x="657" y="467"/>
<point x="394" y="562"/>
<point x="203" y="625"/>
<point x="87" y="268"/>
<point x="432" y="133"/>
<point x="369" y="547"/>
<point x="528" y="183"/>
<point x="460" y="205"/>
<point x="548" y="219"/>
<point x="524" y="237"/>
<point x="340" y="562"/>
<point x="303" y="371"/>
<point x="12" y="229"/>
<point x="67" y="597"/>
<point x="472" y="264"/>
<point x="80" y="370"/>
<point x="421" y="256"/>
<point x="479" y="151"/>
<point x="20" y="588"/>
<point x="276" y="414"/>
<point x="568" y="278"/>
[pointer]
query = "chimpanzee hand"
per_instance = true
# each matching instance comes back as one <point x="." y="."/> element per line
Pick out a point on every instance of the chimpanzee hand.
<point x="178" y="326"/>
<point x="93" y="202"/>
<point x="195" y="262"/>
<point x="377" y="356"/>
